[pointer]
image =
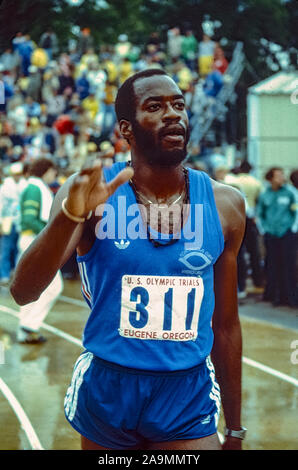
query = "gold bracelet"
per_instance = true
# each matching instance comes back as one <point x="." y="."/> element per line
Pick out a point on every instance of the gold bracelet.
<point x="74" y="218"/>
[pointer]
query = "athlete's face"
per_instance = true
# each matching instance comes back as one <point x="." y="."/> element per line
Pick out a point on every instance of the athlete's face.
<point x="160" y="127"/>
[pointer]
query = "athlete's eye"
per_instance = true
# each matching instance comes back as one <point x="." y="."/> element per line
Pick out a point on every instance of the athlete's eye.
<point x="153" y="107"/>
<point x="179" y="105"/>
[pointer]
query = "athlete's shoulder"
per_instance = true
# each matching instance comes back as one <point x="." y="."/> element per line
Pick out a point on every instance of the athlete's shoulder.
<point x="230" y="194"/>
<point x="230" y="204"/>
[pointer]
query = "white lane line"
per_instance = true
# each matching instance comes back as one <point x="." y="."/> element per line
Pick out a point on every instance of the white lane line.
<point x="250" y="362"/>
<point x="50" y="328"/>
<point x="265" y="322"/>
<point x="62" y="334"/>
<point x="269" y="370"/>
<point x="69" y="300"/>
<point x="21" y="415"/>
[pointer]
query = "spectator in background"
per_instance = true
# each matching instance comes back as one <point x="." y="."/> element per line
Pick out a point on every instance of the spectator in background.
<point x="108" y="108"/>
<point x="206" y="55"/>
<point x="251" y="188"/>
<point x="32" y="108"/>
<point x="125" y="69"/>
<point x="10" y="194"/>
<point x="17" y="116"/>
<point x="122" y="48"/>
<point x="56" y="105"/>
<point x="276" y="213"/>
<point x="90" y="57"/>
<point x="50" y="81"/>
<point x="7" y="89"/>
<point x="294" y="249"/>
<point x="25" y="49"/>
<point x="49" y="43"/>
<point x="10" y="62"/>
<point x="85" y="41"/>
<point x="174" y="44"/>
<point x="91" y="105"/>
<point x="294" y="188"/>
<point x="220" y="62"/>
<point x="66" y="82"/>
<point x="154" y="39"/>
<point x="39" y="59"/>
<point x="97" y="77"/>
<point x="5" y="144"/>
<point x="82" y="85"/>
<point x="212" y="86"/>
<point x="189" y="50"/>
<point x="17" y="41"/>
<point x="36" y="203"/>
<point x="34" y="83"/>
<point x="110" y="68"/>
<point x="213" y="83"/>
<point x="182" y="75"/>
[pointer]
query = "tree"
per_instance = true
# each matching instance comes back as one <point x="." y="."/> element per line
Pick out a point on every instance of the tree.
<point x="31" y="17"/>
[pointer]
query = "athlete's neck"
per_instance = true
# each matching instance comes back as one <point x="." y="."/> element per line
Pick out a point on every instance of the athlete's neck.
<point x="157" y="181"/>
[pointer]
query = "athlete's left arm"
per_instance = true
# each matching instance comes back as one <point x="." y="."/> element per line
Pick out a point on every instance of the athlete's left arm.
<point x="227" y="348"/>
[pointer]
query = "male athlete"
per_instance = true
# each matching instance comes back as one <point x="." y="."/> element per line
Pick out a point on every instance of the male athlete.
<point x="163" y="296"/>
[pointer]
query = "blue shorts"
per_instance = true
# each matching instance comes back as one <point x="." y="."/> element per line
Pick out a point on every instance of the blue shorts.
<point x="122" y="408"/>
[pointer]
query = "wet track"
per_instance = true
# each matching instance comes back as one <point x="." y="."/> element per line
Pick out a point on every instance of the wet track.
<point x="34" y="379"/>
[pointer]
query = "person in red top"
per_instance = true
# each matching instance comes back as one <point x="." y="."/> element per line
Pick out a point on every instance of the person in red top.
<point x="220" y="62"/>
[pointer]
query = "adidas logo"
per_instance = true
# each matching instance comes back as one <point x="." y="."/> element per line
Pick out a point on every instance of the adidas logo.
<point x="122" y="245"/>
<point x="206" y="420"/>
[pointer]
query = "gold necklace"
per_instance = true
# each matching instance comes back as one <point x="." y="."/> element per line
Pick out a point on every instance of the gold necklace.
<point x="185" y="191"/>
<point x="150" y="202"/>
<point x="154" y="203"/>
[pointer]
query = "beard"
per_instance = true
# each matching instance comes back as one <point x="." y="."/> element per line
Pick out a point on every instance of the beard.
<point x="151" y="147"/>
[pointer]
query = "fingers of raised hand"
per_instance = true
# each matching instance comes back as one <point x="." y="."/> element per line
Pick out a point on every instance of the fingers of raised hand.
<point x="94" y="172"/>
<point x="88" y="189"/>
<point x="122" y="177"/>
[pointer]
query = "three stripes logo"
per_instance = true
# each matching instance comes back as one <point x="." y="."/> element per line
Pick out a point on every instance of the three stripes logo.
<point x="122" y="245"/>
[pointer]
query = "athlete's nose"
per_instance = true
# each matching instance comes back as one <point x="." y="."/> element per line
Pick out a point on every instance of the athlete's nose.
<point x="171" y="114"/>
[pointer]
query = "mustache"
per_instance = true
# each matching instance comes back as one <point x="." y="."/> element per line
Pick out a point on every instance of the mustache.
<point x="176" y="129"/>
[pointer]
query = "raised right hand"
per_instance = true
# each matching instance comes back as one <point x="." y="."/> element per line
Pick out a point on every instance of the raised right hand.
<point x="88" y="189"/>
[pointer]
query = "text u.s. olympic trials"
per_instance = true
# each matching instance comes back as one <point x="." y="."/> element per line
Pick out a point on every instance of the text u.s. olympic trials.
<point x="149" y="459"/>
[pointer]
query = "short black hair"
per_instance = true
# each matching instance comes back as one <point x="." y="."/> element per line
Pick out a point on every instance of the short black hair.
<point x="270" y="173"/>
<point x="125" y="103"/>
<point x="40" y="166"/>
<point x="245" y="167"/>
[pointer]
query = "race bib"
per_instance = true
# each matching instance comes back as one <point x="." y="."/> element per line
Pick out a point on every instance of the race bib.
<point x="163" y="308"/>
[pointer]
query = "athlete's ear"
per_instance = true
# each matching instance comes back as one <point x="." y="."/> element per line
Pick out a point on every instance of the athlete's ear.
<point x="126" y="129"/>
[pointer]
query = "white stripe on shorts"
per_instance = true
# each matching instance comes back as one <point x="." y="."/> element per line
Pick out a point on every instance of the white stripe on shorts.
<point x="71" y="399"/>
<point x="215" y="391"/>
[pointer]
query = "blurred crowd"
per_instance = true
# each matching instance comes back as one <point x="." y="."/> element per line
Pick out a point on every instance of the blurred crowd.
<point x="60" y="103"/>
<point x="58" y="106"/>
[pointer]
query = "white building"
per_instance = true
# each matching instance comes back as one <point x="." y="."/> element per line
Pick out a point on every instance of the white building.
<point x="272" y="120"/>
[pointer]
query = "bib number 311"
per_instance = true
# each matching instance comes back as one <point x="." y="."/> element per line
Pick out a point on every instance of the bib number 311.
<point x="160" y="307"/>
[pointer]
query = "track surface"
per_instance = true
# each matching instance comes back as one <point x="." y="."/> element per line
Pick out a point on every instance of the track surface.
<point x="34" y="379"/>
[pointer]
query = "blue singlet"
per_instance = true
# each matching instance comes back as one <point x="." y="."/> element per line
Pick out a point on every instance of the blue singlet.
<point x="151" y="307"/>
